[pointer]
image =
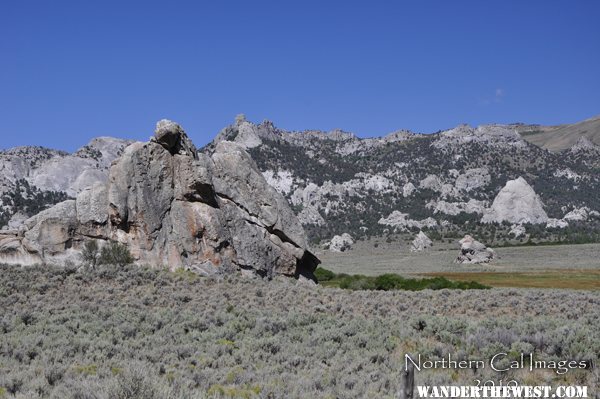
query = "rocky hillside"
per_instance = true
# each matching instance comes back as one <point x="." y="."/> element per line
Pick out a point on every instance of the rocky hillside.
<point x="488" y="176"/>
<point x="498" y="180"/>
<point x="34" y="178"/>
<point x="174" y="207"/>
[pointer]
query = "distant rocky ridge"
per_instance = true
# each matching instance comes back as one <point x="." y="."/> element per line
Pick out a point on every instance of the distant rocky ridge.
<point x="339" y="183"/>
<point x="173" y="207"/>
<point x="336" y="182"/>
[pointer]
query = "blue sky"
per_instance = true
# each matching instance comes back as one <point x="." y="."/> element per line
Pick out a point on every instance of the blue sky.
<point x="73" y="70"/>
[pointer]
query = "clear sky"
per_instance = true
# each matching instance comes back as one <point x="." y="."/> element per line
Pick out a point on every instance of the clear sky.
<point x="73" y="70"/>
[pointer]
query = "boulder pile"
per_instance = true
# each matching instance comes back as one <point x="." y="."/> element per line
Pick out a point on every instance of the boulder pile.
<point x="473" y="252"/>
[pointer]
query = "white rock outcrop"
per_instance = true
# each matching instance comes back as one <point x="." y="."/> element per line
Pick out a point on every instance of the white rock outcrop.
<point x="73" y="173"/>
<point x="577" y="214"/>
<point x="517" y="230"/>
<point x="491" y="135"/>
<point x="567" y="173"/>
<point x="408" y="189"/>
<point x="431" y="182"/>
<point x="556" y="223"/>
<point x="420" y="243"/>
<point x="472" y="179"/>
<point x="584" y="145"/>
<point x="454" y="208"/>
<point x="282" y="180"/>
<point x="401" y="221"/>
<point x="516" y="203"/>
<point x="341" y="243"/>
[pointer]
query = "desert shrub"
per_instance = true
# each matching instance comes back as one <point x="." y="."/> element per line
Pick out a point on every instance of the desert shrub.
<point x="134" y="383"/>
<point x="54" y="374"/>
<point x="111" y="344"/>
<point x="90" y="254"/>
<point x="115" y="253"/>
<point x="357" y="282"/>
<point x="27" y="317"/>
<point x="13" y="385"/>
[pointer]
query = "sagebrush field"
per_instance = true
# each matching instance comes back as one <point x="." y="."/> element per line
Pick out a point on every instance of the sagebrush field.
<point x="133" y="332"/>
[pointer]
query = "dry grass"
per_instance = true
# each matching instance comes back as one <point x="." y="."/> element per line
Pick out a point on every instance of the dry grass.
<point x="571" y="279"/>
<point x="394" y="257"/>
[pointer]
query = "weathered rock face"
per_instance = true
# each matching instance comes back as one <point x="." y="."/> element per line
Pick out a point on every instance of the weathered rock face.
<point x="44" y="177"/>
<point x="516" y="203"/>
<point x="70" y="173"/>
<point x="341" y="243"/>
<point x="473" y="252"/>
<point x="577" y="214"/>
<point x="420" y="243"/>
<point x="174" y="207"/>
<point x="472" y="179"/>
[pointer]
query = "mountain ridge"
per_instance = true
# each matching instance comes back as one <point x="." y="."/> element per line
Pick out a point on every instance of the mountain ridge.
<point x="337" y="182"/>
<point x="404" y="180"/>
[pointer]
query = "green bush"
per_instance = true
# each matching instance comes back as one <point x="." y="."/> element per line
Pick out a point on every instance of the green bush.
<point x="115" y="253"/>
<point x="357" y="282"/>
<point x="324" y="274"/>
<point x="388" y="282"/>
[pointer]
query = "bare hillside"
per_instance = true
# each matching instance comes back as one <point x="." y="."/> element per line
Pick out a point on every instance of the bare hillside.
<point x="558" y="138"/>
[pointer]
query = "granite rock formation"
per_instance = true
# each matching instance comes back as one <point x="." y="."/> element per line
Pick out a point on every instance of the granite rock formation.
<point x="420" y="243"/>
<point x="516" y="203"/>
<point x="341" y="243"/>
<point x="174" y="207"/>
<point x="473" y="252"/>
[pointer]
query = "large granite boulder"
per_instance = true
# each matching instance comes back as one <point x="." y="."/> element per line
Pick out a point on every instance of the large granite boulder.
<point x="420" y="243"/>
<point x="341" y="243"/>
<point x="473" y="251"/>
<point x="516" y="203"/>
<point x="177" y="208"/>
